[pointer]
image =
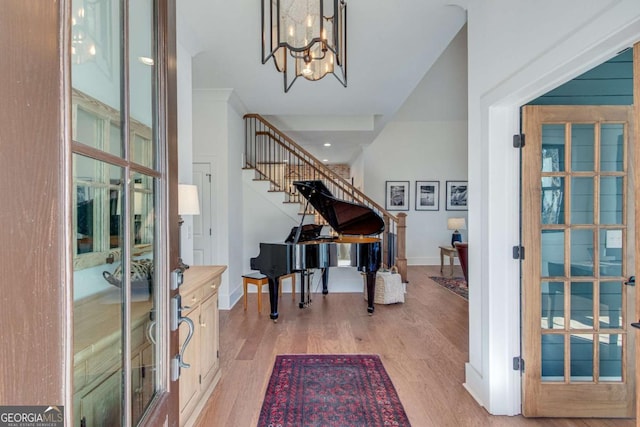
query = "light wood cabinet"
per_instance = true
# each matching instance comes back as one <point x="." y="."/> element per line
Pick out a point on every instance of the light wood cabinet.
<point x="199" y="294"/>
<point x="97" y="367"/>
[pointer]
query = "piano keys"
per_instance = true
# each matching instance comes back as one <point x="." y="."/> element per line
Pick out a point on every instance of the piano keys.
<point x="356" y="225"/>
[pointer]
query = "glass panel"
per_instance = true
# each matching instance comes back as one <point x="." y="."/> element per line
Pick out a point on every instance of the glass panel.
<point x="612" y="147"/>
<point x="97" y="217"/>
<point x="552" y="303"/>
<point x="581" y="200"/>
<point x="141" y="72"/>
<point x="552" y="203"/>
<point x="88" y="128"/>
<point x="95" y="73"/>
<point x="97" y="286"/>
<point x="611" y="199"/>
<point x="143" y="295"/>
<point x="610" y="347"/>
<point x="581" y="252"/>
<point x="552" y="357"/>
<point x="581" y="305"/>
<point x="611" y="253"/>
<point x="553" y="148"/>
<point x="610" y="305"/>
<point x="582" y="143"/>
<point x="581" y="357"/>
<point x="115" y="136"/>
<point x="552" y="253"/>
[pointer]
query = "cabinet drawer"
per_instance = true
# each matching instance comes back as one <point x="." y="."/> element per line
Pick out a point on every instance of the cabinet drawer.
<point x="80" y="375"/>
<point x="191" y="300"/>
<point x="105" y="360"/>
<point x="211" y="287"/>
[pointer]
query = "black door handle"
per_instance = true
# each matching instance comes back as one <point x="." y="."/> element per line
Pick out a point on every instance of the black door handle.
<point x="631" y="281"/>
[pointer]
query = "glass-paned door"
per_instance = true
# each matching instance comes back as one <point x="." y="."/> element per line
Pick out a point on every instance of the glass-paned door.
<point x="120" y="187"/>
<point x="578" y="229"/>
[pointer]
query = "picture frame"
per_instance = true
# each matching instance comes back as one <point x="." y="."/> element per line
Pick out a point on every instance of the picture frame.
<point x="457" y="196"/>
<point x="397" y="195"/>
<point x="427" y="195"/>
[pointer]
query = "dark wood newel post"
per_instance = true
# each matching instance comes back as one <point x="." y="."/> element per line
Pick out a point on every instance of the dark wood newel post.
<point x="386" y="257"/>
<point x="401" y="259"/>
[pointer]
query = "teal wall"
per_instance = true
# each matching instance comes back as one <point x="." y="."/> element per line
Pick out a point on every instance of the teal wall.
<point x="610" y="83"/>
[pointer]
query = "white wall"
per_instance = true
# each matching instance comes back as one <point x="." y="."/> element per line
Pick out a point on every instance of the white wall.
<point x="424" y="151"/>
<point x="185" y="143"/>
<point x="425" y="141"/>
<point x="235" y="206"/>
<point x="517" y="51"/>
<point x="218" y="138"/>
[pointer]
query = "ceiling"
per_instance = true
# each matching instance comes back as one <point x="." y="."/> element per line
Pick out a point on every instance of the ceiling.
<point x="390" y="47"/>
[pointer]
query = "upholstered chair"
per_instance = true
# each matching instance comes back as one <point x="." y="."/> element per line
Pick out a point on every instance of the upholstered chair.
<point x="462" y="256"/>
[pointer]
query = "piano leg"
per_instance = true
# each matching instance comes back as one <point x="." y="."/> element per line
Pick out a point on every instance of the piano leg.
<point x="305" y="288"/>
<point x="325" y="281"/>
<point x="303" y="285"/>
<point x="274" y="284"/>
<point x="371" y="290"/>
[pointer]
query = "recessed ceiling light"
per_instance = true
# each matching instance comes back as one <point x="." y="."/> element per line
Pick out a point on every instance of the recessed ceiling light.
<point x="325" y="160"/>
<point x="327" y="144"/>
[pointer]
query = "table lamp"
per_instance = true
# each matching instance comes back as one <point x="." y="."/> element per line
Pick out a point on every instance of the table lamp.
<point x="188" y="204"/>
<point x="456" y="224"/>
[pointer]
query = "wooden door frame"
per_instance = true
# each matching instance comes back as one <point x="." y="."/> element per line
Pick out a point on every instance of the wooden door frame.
<point x="34" y="168"/>
<point x="165" y="409"/>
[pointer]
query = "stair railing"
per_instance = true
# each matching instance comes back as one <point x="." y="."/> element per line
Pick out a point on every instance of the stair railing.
<point x="278" y="159"/>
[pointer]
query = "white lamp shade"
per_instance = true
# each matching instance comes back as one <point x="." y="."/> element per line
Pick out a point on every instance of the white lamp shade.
<point x="456" y="224"/>
<point x="188" y="203"/>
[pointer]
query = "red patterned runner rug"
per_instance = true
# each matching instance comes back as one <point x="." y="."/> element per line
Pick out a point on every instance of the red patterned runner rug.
<point x="331" y="390"/>
<point x="456" y="285"/>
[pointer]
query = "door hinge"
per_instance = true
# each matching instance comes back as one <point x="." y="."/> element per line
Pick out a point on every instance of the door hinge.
<point x="209" y="176"/>
<point x="518" y="364"/>
<point x="209" y="232"/>
<point x="217" y="354"/>
<point x="199" y="379"/>
<point x="518" y="140"/>
<point x="518" y="252"/>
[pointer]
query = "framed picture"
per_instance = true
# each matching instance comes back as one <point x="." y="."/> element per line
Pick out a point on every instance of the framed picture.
<point x="427" y="195"/>
<point x="397" y="196"/>
<point x="457" y="196"/>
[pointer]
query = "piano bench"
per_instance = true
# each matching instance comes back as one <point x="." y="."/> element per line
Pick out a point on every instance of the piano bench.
<point x="259" y="280"/>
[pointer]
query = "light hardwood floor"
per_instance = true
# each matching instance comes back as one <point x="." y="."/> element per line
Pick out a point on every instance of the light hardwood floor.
<point x="423" y="344"/>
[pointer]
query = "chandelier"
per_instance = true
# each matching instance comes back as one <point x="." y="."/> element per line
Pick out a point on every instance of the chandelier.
<point x="83" y="24"/>
<point x="305" y="38"/>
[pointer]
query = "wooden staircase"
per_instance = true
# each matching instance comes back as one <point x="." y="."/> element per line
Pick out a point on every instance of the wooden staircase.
<point x="276" y="158"/>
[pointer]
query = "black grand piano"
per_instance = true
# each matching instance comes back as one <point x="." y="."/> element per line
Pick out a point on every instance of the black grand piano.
<point x="305" y="249"/>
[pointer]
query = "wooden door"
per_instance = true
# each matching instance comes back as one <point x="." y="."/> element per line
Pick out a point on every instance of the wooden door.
<point x="578" y="232"/>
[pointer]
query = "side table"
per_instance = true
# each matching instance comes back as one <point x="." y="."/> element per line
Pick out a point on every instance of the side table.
<point x="449" y="251"/>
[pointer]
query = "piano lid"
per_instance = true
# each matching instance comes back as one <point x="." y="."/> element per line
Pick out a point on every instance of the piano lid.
<point x="344" y="217"/>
